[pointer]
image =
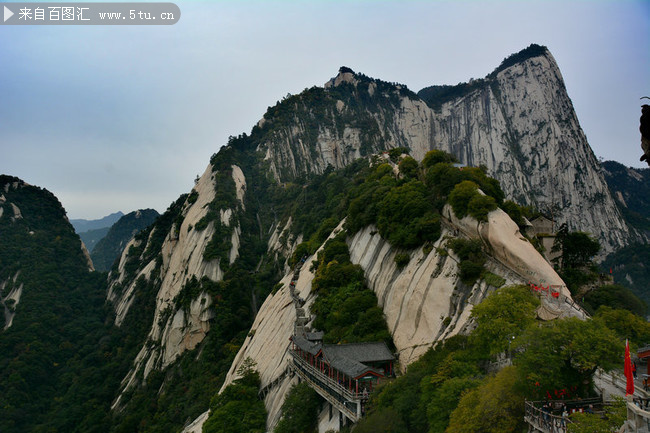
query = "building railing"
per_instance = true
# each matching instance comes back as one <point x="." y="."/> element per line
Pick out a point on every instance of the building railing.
<point x="329" y="389"/>
<point x="549" y="423"/>
<point x="544" y="421"/>
<point x="638" y="419"/>
<point x="327" y="381"/>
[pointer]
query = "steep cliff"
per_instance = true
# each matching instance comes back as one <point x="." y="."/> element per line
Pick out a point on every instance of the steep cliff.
<point x="260" y="197"/>
<point x="519" y="122"/>
<point x="171" y="266"/>
<point x="423" y="302"/>
<point x="631" y="190"/>
<point x="111" y="246"/>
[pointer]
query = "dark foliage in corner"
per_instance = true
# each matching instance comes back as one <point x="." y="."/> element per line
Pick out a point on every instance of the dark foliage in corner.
<point x="59" y="319"/>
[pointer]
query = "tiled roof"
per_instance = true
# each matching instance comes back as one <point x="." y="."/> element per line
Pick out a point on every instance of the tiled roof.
<point x="360" y="352"/>
<point x="315" y="336"/>
<point x="305" y="345"/>
<point x="350" y="367"/>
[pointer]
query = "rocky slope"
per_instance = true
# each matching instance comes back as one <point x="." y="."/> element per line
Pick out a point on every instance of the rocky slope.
<point x="111" y="246"/>
<point x="174" y="328"/>
<point x="24" y="225"/>
<point x="519" y="122"/>
<point x="631" y="190"/>
<point x="423" y="303"/>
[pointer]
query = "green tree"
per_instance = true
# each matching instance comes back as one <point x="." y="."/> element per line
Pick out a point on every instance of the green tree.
<point x="384" y="421"/>
<point x="299" y="410"/>
<point x="502" y="316"/>
<point x="625" y="324"/>
<point x="461" y="195"/>
<point x="407" y="217"/>
<point x="237" y="409"/>
<point x="611" y="420"/>
<point x="408" y="167"/>
<point x="480" y="206"/>
<point x="564" y="354"/>
<point x="444" y="400"/>
<point x="577" y="248"/>
<point x="494" y="407"/>
<point x="436" y="156"/>
<point x="614" y="296"/>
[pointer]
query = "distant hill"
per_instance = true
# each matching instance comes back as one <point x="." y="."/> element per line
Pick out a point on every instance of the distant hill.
<point x="109" y="247"/>
<point x="91" y="237"/>
<point x="82" y="225"/>
<point x="631" y="190"/>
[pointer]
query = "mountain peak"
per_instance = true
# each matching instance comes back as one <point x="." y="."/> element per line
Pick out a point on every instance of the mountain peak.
<point x="345" y="75"/>
<point x="533" y="50"/>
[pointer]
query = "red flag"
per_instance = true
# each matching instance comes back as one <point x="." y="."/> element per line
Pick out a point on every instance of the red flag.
<point x="629" y="388"/>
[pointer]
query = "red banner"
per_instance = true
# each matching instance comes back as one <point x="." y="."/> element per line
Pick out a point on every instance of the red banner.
<point x="629" y="388"/>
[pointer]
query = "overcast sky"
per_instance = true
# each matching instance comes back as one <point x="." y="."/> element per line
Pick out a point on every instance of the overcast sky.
<point x="120" y="118"/>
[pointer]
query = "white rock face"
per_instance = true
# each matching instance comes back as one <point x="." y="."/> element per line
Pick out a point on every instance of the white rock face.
<point x="522" y="127"/>
<point x="187" y="328"/>
<point x="16" y="210"/>
<point x="175" y="330"/>
<point x="423" y="303"/>
<point x="10" y="301"/>
<point x="240" y="184"/>
<point x="529" y="138"/>
<point x="507" y="245"/>
<point x="196" y="426"/>
<point x="86" y="254"/>
<point x="268" y="339"/>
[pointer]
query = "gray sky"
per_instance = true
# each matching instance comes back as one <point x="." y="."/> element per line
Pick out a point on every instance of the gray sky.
<point x="120" y="118"/>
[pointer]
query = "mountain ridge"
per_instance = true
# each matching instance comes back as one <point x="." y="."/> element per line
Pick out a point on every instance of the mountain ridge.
<point x="519" y="123"/>
<point x="110" y="246"/>
<point x="83" y="225"/>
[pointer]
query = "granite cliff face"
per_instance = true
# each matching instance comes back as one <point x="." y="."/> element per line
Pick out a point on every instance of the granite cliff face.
<point x="177" y="261"/>
<point x="423" y="303"/>
<point x="519" y="122"/>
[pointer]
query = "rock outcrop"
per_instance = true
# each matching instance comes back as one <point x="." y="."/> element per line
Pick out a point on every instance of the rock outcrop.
<point x="175" y="329"/>
<point x="518" y="122"/>
<point x="11" y="299"/>
<point x="423" y="303"/>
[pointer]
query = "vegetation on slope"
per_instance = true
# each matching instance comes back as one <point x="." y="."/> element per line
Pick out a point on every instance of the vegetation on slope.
<point x="631" y="190"/>
<point x="629" y="268"/>
<point x="238" y="409"/>
<point x="591" y="286"/>
<point x="59" y="318"/>
<point x="300" y="410"/>
<point x="110" y="247"/>
<point x="346" y="309"/>
<point x="451" y="388"/>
